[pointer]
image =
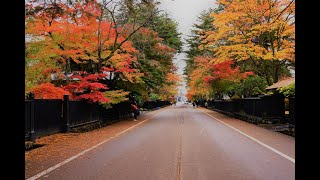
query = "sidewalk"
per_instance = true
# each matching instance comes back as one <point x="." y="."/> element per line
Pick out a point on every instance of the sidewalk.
<point x="59" y="147"/>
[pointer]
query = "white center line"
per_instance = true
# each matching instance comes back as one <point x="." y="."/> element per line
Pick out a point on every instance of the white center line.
<point x="255" y="140"/>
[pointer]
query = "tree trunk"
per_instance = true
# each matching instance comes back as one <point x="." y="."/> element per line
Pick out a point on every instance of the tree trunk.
<point x="276" y="72"/>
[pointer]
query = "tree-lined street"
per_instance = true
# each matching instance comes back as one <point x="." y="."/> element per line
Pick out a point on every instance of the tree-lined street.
<point x="181" y="142"/>
<point x="93" y="68"/>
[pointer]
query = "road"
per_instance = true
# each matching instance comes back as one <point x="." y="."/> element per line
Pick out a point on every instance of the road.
<point x="182" y="142"/>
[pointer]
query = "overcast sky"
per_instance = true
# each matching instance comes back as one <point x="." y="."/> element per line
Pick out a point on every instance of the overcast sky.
<point x="185" y="13"/>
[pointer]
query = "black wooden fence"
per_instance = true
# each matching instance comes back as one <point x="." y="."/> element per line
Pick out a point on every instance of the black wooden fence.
<point x="45" y="117"/>
<point x="292" y="106"/>
<point x="28" y="129"/>
<point x="82" y="113"/>
<point x="262" y="108"/>
<point x="155" y="104"/>
<point x="50" y="110"/>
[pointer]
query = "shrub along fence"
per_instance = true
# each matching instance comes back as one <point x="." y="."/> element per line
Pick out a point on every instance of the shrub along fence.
<point x="50" y="116"/>
<point x="266" y="108"/>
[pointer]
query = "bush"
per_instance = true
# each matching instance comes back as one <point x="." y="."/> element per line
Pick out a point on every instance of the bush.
<point x="287" y="91"/>
<point x="251" y="86"/>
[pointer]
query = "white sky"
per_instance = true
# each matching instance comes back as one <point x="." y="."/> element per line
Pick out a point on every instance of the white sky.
<point x="185" y="13"/>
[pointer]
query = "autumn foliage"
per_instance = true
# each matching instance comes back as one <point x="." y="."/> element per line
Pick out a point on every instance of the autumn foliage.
<point x="258" y="36"/>
<point x="253" y="29"/>
<point x="87" y="87"/>
<point x="102" y="50"/>
<point x="261" y="33"/>
<point x="224" y="71"/>
<point x="209" y="78"/>
<point x="49" y="91"/>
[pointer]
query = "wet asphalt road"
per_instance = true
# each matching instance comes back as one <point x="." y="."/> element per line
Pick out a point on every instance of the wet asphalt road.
<point x="178" y="143"/>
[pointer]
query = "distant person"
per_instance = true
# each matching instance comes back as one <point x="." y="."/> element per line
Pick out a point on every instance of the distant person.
<point x="193" y="104"/>
<point x="135" y="110"/>
<point x="206" y="104"/>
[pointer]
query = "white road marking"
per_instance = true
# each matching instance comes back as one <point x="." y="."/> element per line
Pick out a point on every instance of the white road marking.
<point x="83" y="152"/>
<point x="255" y="140"/>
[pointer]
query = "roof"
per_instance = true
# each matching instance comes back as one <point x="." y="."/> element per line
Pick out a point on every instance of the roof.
<point x="282" y="83"/>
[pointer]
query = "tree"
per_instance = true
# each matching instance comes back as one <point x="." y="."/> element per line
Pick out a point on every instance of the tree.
<point x="83" y="36"/>
<point x="261" y="32"/>
<point x="115" y="97"/>
<point x="154" y="97"/>
<point x="157" y="41"/>
<point x="223" y="78"/>
<point x="155" y="60"/>
<point x="195" y="39"/>
<point x="167" y="30"/>
<point x="197" y="86"/>
<point x="170" y="88"/>
<point x="210" y="79"/>
<point x="37" y="68"/>
<point x="78" y="36"/>
<point x="253" y="85"/>
<point x="287" y="91"/>
<point x="48" y="91"/>
<point x="95" y="39"/>
<point x="87" y="86"/>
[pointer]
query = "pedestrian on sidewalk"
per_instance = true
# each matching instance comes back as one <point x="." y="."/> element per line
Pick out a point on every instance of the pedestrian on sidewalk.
<point x="135" y="110"/>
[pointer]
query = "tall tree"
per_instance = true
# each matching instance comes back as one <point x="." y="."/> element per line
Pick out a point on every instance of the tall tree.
<point x="198" y="34"/>
<point x="92" y="39"/>
<point x="167" y="30"/>
<point x="157" y="42"/>
<point x="259" y="31"/>
<point x="155" y="59"/>
<point x="214" y="80"/>
<point x="78" y="36"/>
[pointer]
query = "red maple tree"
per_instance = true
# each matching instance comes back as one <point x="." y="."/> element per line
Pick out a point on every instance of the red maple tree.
<point x="87" y="86"/>
<point x="48" y="91"/>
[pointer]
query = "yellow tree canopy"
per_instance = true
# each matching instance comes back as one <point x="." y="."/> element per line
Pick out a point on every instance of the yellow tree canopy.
<point x="253" y="29"/>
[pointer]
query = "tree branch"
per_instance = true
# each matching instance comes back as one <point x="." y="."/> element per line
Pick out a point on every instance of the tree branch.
<point x="127" y="38"/>
<point x="283" y="10"/>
